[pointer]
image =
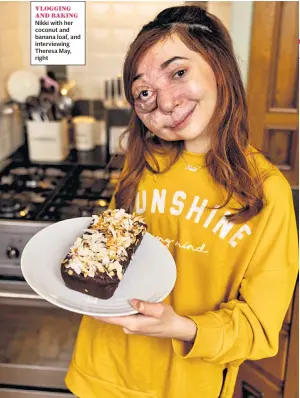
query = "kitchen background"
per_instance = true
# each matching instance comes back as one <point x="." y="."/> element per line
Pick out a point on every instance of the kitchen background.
<point x="44" y="181"/>
<point x="110" y="27"/>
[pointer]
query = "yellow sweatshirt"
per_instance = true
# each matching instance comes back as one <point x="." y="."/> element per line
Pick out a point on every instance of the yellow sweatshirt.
<point x="234" y="280"/>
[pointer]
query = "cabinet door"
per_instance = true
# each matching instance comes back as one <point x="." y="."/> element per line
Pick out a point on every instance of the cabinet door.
<point x="272" y="89"/>
<point x="276" y="366"/>
<point x="291" y="385"/>
<point x="251" y="383"/>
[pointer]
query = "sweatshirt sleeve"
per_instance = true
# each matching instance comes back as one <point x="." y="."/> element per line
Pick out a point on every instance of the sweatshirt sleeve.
<point x="248" y="327"/>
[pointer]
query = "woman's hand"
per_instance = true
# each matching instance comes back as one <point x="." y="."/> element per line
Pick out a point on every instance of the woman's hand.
<point x="155" y="319"/>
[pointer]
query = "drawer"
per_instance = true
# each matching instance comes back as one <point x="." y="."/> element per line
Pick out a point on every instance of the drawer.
<point x="253" y="384"/>
<point x="15" y="393"/>
<point x="276" y="366"/>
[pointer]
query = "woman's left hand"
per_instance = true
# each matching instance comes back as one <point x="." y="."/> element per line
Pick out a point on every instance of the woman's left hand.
<point x="155" y="319"/>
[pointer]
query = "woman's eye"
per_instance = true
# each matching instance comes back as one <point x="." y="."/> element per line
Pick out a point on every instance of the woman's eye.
<point x="144" y="94"/>
<point x="145" y="101"/>
<point x="180" y="73"/>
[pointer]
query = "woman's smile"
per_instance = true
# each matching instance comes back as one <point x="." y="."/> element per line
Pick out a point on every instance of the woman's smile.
<point x="183" y="121"/>
<point x="171" y="81"/>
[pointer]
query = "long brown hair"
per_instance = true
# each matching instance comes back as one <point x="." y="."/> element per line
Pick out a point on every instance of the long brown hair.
<point x="227" y="158"/>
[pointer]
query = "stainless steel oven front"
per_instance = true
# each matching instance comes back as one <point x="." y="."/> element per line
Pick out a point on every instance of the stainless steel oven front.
<point x="36" y="338"/>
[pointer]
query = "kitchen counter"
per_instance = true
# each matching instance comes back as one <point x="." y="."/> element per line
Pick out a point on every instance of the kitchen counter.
<point x="96" y="157"/>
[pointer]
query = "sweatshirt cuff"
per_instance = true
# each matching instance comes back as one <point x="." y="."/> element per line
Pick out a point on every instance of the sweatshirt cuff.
<point x="208" y="340"/>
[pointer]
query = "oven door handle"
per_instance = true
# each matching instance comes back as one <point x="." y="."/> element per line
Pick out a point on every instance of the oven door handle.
<point x="12" y="292"/>
<point x="20" y="295"/>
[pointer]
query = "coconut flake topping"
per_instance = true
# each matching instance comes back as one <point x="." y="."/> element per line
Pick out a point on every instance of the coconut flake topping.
<point x="102" y="247"/>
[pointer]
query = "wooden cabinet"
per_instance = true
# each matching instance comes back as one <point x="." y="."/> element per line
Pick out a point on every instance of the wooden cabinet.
<point x="273" y="112"/>
<point x="253" y="384"/>
<point x="291" y="382"/>
<point x="277" y="376"/>
<point x="276" y="366"/>
<point x="272" y="91"/>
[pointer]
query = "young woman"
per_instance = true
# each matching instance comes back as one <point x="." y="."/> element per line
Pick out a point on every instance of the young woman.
<point x="224" y="212"/>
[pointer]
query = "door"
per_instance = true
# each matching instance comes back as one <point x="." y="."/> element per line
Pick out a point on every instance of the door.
<point x="273" y="84"/>
<point x="272" y="95"/>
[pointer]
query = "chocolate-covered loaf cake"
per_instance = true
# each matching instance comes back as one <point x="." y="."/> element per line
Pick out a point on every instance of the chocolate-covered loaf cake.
<point x="99" y="258"/>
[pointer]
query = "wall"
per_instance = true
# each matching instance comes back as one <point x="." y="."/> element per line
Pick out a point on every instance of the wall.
<point x="222" y="10"/>
<point x="110" y="28"/>
<point x="112" y="25"/>
<point x="14" y="42"/>
<point x="10" y="59"/>
<point x="24" y="34"/>
<point x="240" y="31"/>
<point x="237" y="17"/>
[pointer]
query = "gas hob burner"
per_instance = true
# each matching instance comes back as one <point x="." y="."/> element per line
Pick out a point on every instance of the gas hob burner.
<point x="20" y="205"/>
<point x="98" y="174"/>
<point x="45" y="178"/>
<point x="88" y="183"/>
<point x="54" y="192"/>
<point x="65" y="208"/>
<point x="46" y="172"/>
<point x="37" y="171"/>
<point x="33" y="196"/>
<point x="19" y="171"/>
<point x="12" y="207"/>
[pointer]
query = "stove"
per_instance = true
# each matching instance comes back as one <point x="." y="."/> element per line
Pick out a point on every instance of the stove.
<point x="25" y="190"/>
<point x="36" y="337"/>
<point x="34" y="196"/>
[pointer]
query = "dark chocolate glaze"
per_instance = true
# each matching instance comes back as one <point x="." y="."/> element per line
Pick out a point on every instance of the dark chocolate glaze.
<point x="101" y="285"/>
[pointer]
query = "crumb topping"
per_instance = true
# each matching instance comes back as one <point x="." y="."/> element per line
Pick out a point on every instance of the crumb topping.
<point x="102" y="247"/>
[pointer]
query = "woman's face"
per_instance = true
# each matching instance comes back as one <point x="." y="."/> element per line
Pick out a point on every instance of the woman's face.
<point x="175" y="93"/>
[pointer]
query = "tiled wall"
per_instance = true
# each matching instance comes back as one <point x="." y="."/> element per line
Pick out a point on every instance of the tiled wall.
<point x="14" y="41"/>
<point x="10" y="59"/>
<point x="110" y="27"/>
<point x="24" y="29"/>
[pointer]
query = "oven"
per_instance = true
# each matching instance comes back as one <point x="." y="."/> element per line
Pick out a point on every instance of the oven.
<point x="37" y="338"/>
<point x="36" y="344"/>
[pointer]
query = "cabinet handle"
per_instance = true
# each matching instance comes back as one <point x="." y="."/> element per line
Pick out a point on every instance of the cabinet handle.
<point x="19" y="295"/>
<point x="250" y="392"/>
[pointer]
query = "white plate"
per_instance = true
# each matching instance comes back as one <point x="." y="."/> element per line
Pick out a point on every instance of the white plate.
<point x="23" y="84"/>
<point x="150" y="276"/>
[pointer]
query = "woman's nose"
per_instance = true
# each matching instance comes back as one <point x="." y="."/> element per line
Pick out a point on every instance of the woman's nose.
<point x="167" y="100"/>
